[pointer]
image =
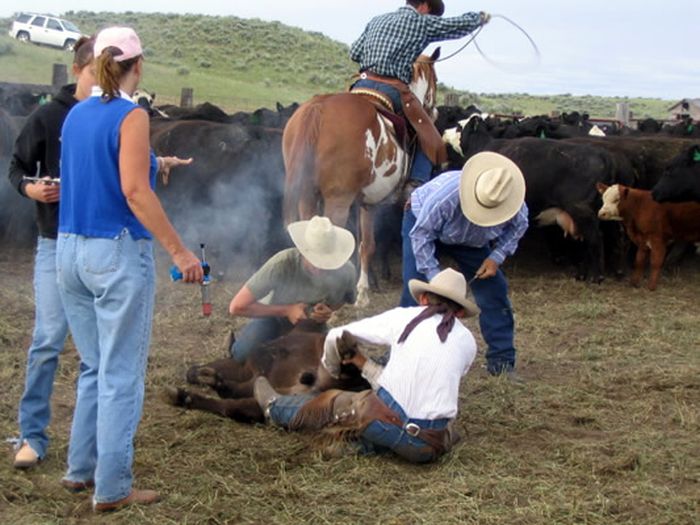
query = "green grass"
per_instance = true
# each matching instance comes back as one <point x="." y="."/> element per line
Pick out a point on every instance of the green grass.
<point x="243" y="64"/>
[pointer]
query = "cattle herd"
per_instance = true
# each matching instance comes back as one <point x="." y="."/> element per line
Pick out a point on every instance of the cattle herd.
<point x="231" y="196"/>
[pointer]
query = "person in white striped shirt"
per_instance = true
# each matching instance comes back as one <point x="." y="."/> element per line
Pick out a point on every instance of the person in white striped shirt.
<point x="414" y="398"/>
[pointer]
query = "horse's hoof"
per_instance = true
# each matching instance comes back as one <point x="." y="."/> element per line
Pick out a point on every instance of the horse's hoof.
<point x="362" y="300"/>
<point x="176" y="397"/>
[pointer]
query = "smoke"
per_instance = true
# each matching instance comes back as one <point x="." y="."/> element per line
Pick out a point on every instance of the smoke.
<point x="234" y="207"/>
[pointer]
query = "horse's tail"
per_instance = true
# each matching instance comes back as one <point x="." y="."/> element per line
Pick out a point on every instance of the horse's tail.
<point x="300" y="161"/>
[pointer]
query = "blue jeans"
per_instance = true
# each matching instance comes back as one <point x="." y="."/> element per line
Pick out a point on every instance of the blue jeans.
<point x="379" y="437"/>
<point x="491" y="295"/>
<point x="421" y="167"/>
<point x="388" y="90"/>
<point x="107" y="287"/>
<point x="50" y="330"/>
<point x="256" y="332"/>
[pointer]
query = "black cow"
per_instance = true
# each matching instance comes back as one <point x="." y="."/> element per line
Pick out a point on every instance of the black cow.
<point x="17" y="225"/>
<point x="649" y="126"/>
<point x="561" y="185"/>
<point x="230" y="196"/>
<point x="451" y="116"/>
<point x="646" y="156"/>
<point x="681" y="179"/>
<point x="685" y="128"/>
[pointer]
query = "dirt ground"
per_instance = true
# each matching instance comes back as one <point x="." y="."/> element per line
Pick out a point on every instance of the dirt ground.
<point x="605" y="429"/>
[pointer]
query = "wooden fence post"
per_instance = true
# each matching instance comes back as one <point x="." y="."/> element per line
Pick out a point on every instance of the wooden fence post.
<point x="451" y="99"/>
<point x="186" y="97"/>
<point x="622" y="113"/>
<point x="59" y="76"/>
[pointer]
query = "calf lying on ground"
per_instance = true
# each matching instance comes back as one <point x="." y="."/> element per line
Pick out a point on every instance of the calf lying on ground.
<point x="649" y="224"/>
<point x="291" y="363"/>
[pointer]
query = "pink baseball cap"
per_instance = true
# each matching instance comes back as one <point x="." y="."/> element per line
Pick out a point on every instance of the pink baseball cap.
<point x="123" y="38"/>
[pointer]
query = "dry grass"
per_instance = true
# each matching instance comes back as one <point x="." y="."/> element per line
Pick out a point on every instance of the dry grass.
<point x="604" y="431"/>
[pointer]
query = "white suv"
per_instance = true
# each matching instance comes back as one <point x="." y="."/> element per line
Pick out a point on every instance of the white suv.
<point x="45" y="29"/>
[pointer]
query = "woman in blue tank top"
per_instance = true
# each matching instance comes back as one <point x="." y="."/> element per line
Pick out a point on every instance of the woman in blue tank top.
<point x="108" y="215"/>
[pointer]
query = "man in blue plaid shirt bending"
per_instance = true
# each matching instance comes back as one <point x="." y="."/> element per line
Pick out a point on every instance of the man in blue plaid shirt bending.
<point x="389" y="46"/>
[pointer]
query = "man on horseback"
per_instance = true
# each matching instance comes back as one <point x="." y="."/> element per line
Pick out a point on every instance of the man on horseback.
<point x="308" y="281"/>
<point x="386" y="51"/>
<point x="414" y="398"/>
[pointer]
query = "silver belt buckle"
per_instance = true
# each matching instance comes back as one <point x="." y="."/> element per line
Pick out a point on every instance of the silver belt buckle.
<point x="363" y="76"/>
<point x="412" y="429"/>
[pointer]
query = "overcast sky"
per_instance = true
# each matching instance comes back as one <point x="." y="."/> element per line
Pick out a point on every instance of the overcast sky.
<point x="596" y="47"/>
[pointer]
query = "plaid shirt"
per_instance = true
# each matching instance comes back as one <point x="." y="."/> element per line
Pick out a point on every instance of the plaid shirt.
<point x="392" y="42"/>
<point x="439" y="217"/>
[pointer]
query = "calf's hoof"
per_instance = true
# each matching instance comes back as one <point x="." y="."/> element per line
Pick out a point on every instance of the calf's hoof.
<point x="176" y="397"/>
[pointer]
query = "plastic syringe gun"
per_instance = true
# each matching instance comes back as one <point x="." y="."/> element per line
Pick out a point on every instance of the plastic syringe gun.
<point x="176" y="275"/>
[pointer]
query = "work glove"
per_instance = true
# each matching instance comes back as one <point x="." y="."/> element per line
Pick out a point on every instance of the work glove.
<point x="485" y="18"/>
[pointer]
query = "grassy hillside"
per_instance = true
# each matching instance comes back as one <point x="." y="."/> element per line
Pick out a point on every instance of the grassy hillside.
<point x="242" y="64"/>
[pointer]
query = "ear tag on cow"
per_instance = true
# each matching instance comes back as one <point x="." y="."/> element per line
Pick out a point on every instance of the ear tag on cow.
<point x="543" y="135"/>
<point x="696" y="156"/>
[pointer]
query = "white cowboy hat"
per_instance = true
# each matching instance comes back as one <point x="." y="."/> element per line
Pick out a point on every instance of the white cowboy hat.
<point x="324" y="245"/>
<point x="450" y="284"/>
<point x="491" y="190"/>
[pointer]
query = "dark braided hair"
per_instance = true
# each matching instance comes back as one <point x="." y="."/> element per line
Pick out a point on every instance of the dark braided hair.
<point x="436" y="305"/>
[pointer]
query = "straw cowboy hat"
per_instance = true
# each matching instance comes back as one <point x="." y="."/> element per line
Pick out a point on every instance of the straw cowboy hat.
<point x="450" y="284"/>
<point x="324" y="245"/>
<point x="491" y="190"/>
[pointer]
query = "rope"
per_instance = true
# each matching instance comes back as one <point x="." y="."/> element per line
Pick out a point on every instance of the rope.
<point x="490" y="61"/>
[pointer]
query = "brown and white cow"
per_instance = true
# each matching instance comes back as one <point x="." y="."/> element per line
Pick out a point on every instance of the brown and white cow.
<point x="649" y="224"/>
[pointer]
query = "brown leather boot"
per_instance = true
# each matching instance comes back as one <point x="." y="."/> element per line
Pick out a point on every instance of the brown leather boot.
<point x="137" y="497"/>
<point x="77" y="486"/>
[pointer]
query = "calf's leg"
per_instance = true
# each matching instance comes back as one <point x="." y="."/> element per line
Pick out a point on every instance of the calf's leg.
<point x="640" y="262"/>
<point x="245" y="410"/>
<point x="658" y="253"/>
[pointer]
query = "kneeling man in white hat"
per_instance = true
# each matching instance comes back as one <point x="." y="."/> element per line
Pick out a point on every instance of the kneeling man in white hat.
<point x="308" y="281"/>
<point x="476" y="217"/>
<point x="414" y="398"/>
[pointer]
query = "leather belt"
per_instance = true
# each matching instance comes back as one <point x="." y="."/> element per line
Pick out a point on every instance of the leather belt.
<point x="437" y="439"/>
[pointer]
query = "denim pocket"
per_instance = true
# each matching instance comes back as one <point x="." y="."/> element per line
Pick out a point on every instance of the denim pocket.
<point x="101" y="256"/>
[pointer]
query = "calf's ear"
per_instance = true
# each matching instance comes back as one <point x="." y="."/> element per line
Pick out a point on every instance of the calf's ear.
<point x="624" y="191"/>
<point x="601" y="187"/>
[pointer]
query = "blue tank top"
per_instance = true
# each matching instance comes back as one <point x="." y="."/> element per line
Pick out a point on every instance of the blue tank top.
<point x="92" y="202"/>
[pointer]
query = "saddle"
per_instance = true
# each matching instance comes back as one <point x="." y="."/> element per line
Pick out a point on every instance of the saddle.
<point x="428" y="136"/>
<point x="386" y="110"/>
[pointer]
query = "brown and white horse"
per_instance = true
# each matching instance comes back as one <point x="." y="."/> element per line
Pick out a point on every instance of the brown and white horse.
<point x="338" y="148"/>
